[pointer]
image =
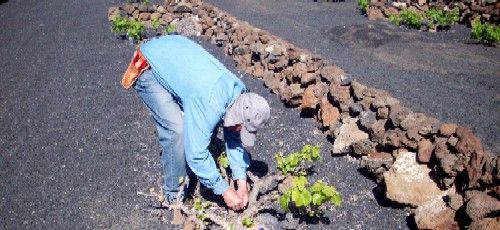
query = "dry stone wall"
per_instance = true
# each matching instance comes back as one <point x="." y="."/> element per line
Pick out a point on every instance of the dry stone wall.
<point x="487" y="10"/>
<point x="366" y="122"/>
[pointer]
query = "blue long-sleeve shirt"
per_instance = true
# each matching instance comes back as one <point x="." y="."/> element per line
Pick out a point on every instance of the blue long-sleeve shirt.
<point x="205" y="89"/>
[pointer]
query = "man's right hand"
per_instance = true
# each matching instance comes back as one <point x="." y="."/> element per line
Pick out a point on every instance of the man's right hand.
<point x="232" y="200"/>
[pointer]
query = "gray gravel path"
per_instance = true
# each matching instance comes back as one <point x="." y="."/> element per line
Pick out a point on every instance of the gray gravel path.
<point x="434" y="73"/>
<point x="76" y="147"/>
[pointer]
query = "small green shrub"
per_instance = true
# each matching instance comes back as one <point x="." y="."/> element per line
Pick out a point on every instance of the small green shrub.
<point x="135" y="29"/>
<point x="171" y="28"/>
<point x="309" y="200"/>
<point x="395" y="19"/>
<point x="289" y="163"/>
<point x="119" y="25"/>
<point x="411" y="18"/>
<point x="155" y="23"/>
<point x="363" y="5"/>
<point x="485" y="33"/>
<point x="247" y="222"/>
<point x="436" y="17"/>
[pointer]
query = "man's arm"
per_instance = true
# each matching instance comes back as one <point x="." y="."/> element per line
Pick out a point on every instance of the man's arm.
<point x="236" y="153"/>
<point x="198" y="126"/>
<point x="238" y="162"/>
<point x="199" y="122"/>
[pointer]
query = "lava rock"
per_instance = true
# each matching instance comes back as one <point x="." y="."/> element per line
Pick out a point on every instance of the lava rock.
<point x="480" y="205"/>
<point x="434" y="214"/>
<point x="367" y="119"/>
<point x="355" y="109"/>
<point x="447" y="129"/>
<point x="309" y="100"/>
<point x="377" y="163"/>
<point x="409" y="183"/>
<point x="364" y="147"/>
<point x="425" y="149"/>
<point x="329" y="113"/>
<point x="349" y="133"/>
<point x="332" y="73"/>
<point x="485" y="223"/>
<point x="357" y="90"/>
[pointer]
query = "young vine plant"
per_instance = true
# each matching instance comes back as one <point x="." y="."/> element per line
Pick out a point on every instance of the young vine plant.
<point x="300" y="197"/>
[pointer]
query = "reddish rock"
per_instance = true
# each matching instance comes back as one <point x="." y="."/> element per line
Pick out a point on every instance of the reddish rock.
<point x="390" y="11"/>
<point x="340" y="94"/>
<point x="374" y="13"/>
<point x="306" y="78"/>
<point x="377" y="3"/>
<point x="309" y="100"/>
<point x="357" y="90"/>
<point x="299" y="68"/>
<point x="144" y="16"/>
<point x="413" y="135"/>
<point x="329" y="113"/>
<point x="397" y="114"/>
<point x="447" y="129"/>
<point x="384" y="100"/>
<point x="455" y="201"/>
<point x="434" y="214"/>
<point x="480" y="205"/>
<point x="271" y="82"/>
<point x="470" y="146"/>
<point x="490" y="171"/>
<point x="113" y="12"/>
<point x="135" y="14"/>
<point x="129" y="8"/>
<point x="485" y="223"/>
<point x="366" y="103"/>
<point x="161" y="9"/>
<point x="425" y="149"/>
<point x="383" y="113"/>
<point x="258" y="71"/>
<point x="413" y="121"/>
<point x="332" y="73"/>
<point x="166" y="19"/>
<point x="378" y="130"/>
<point x="155" y="16"/>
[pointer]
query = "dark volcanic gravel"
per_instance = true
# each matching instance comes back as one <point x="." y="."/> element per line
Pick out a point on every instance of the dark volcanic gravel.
<point x="434" y="73"/>
<point x="76" y="147"/>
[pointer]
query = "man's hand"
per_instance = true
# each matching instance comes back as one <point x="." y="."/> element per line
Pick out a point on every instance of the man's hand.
<point x="232" y="199"/>
<point x="242" y="193"/>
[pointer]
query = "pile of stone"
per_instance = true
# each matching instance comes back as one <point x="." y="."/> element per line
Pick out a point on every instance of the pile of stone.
<point x="439" y="169"/>
<point x="487" y="10"/>
<point x="179" y="15"/>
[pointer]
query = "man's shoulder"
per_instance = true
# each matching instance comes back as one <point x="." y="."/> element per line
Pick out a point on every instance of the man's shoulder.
<point x="168" y="40"/>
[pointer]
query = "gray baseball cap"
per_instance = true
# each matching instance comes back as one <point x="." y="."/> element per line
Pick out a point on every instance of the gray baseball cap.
<point x="251" y="111"/>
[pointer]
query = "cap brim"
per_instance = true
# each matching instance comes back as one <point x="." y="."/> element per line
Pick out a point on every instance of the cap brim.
<point x="247" y="138"/>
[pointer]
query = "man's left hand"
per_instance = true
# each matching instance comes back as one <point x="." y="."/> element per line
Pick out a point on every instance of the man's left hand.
<point x="242" y="192"/>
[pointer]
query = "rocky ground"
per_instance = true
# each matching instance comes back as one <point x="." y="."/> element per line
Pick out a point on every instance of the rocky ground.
<point x="77" y="147"/>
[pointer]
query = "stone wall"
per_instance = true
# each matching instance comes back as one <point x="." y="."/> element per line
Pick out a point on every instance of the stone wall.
<point x="365" y="122"/>
<point x="487" y="10"/>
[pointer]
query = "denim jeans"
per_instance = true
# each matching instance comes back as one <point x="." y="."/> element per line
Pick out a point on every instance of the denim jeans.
<point x="167" y="116"/>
